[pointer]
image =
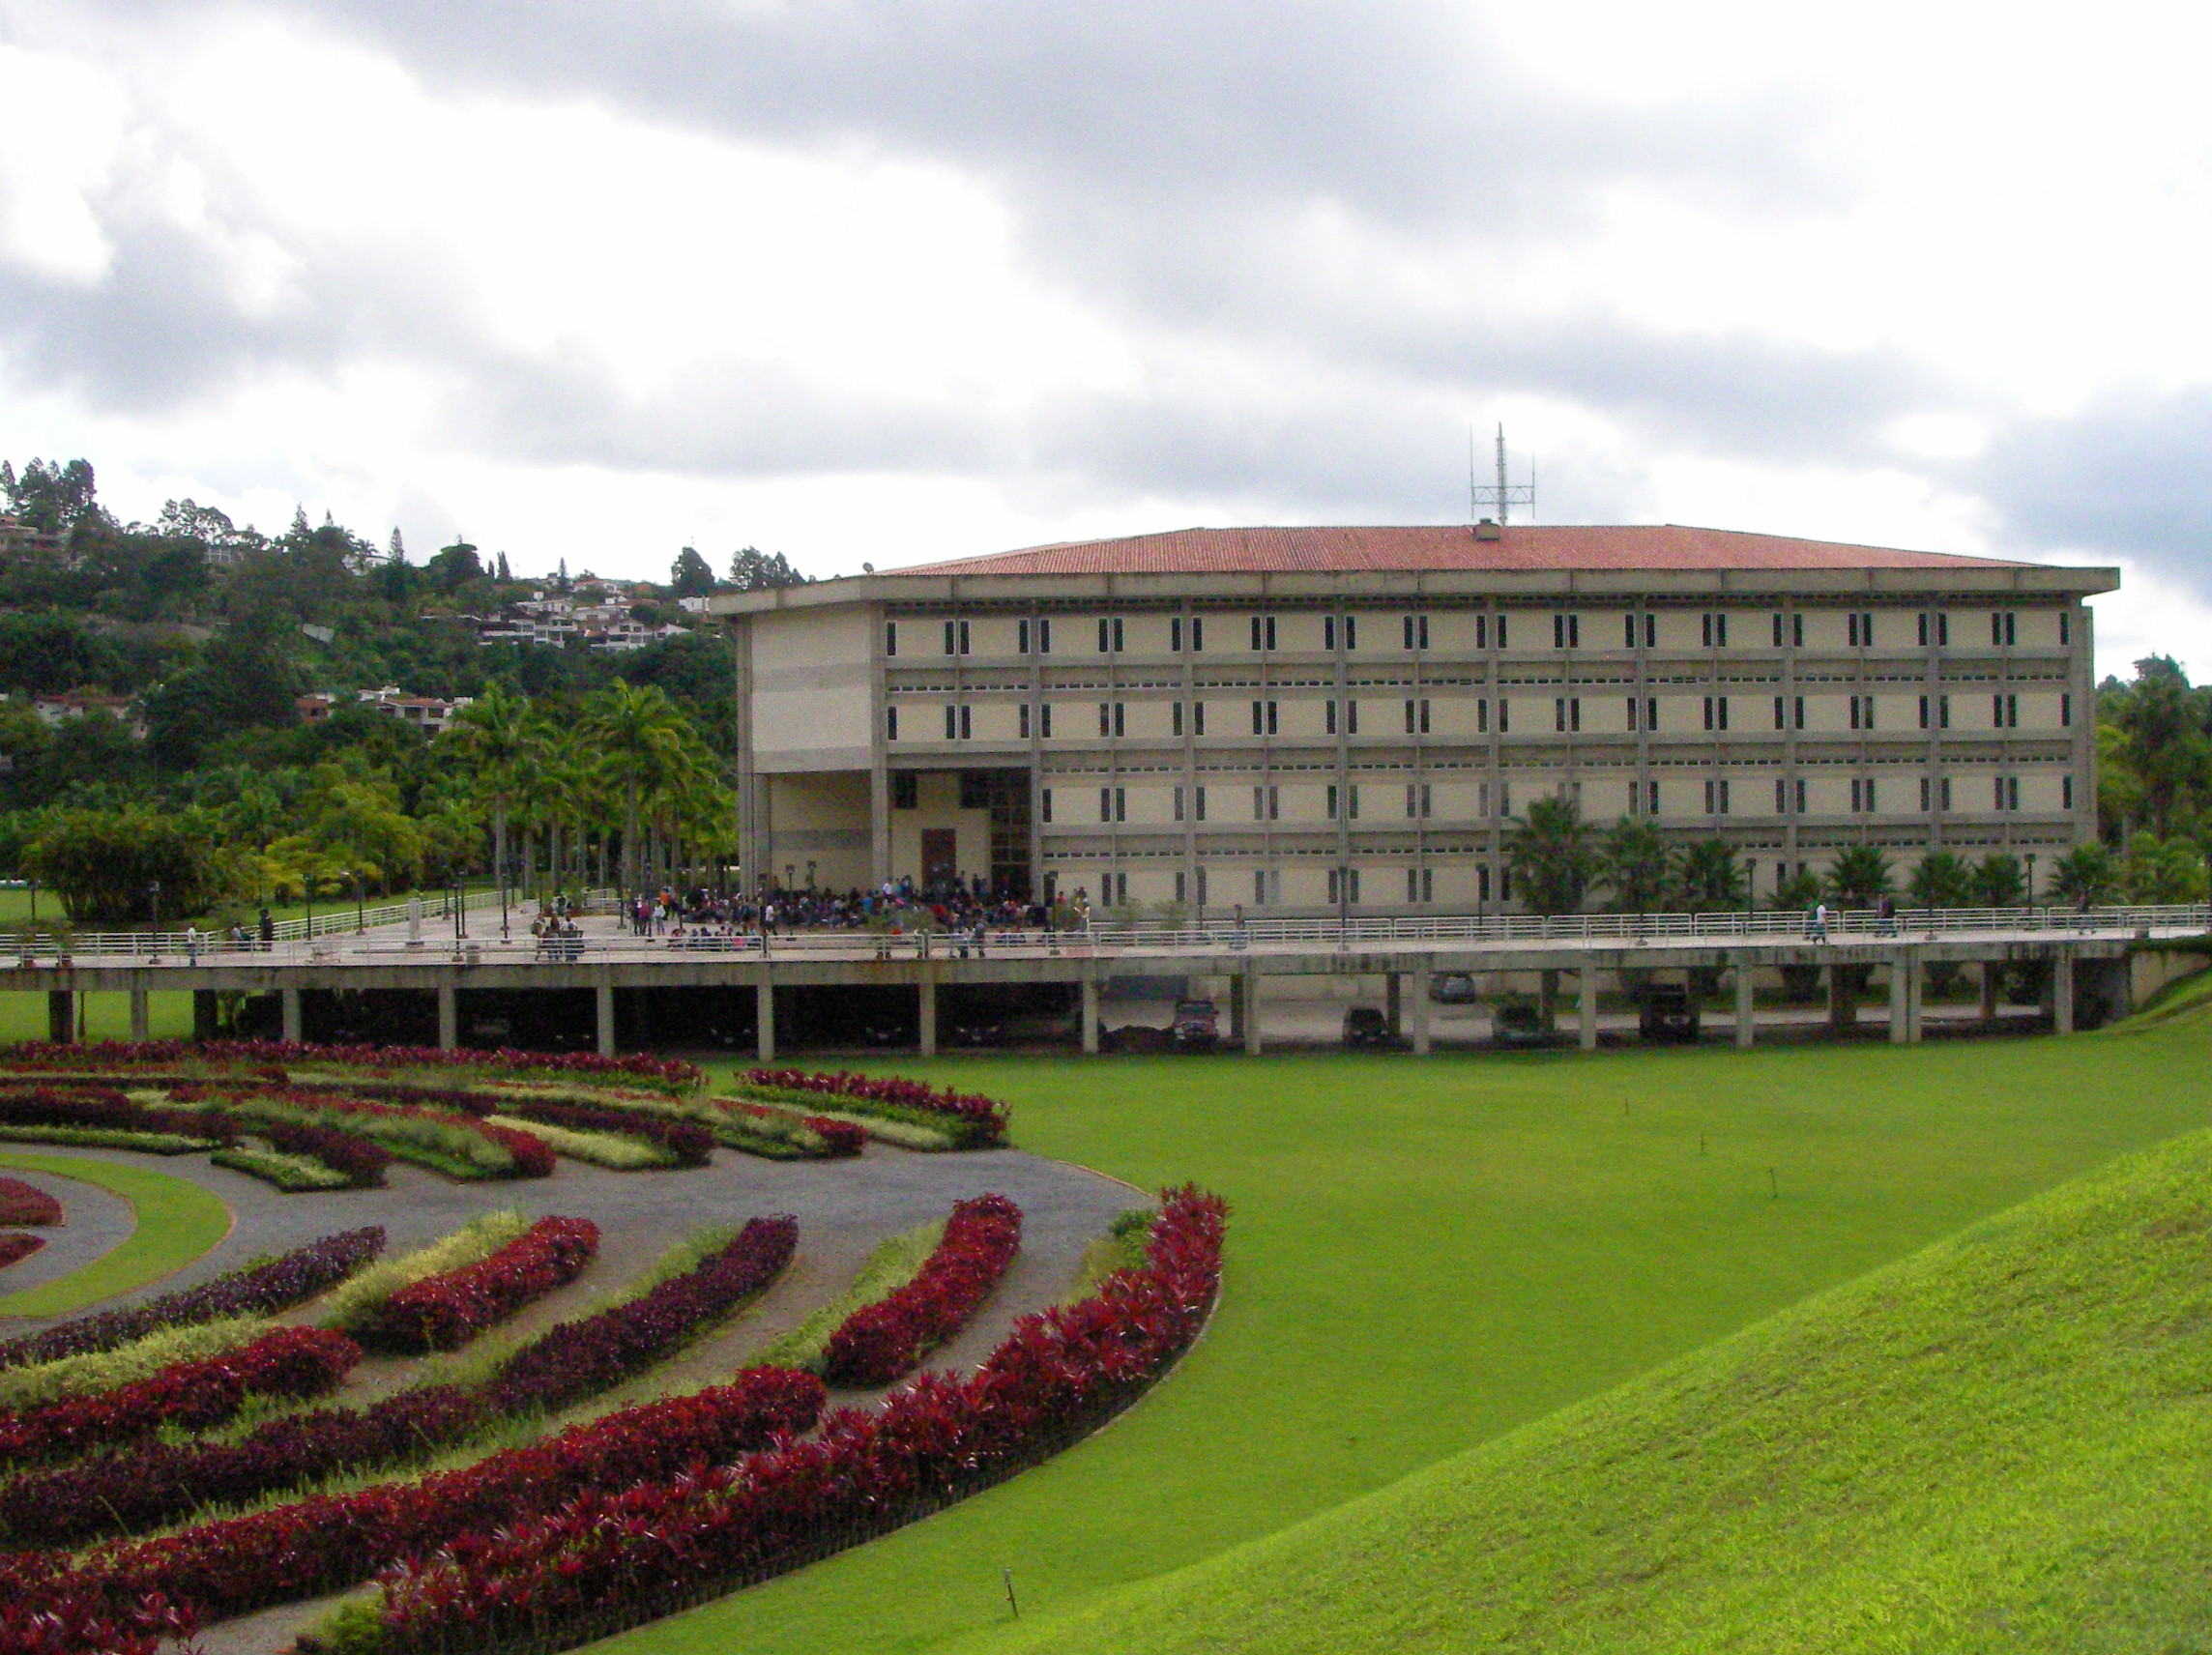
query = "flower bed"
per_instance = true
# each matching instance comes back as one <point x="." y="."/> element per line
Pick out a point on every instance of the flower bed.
<point x="881" y="1341"/>
<point x="578" y="1358"/>
<point x="971" y="1122"/>
<point x="291" y="1173"/>
<point x="445" y="1312"/>
<point x="668" y="1074"/>
<point x="784" y="1134"/>
<point x="459" y="1145"/>
<point x="328" y="1542"/>
<point x="613" y="1557"/>
<point x="288" y="1362"/>
<point x="689" y="1145"/>
<point x="50" y="1112"/>
<point x="15" y="1246"/>
<point x="260" y="1289"/>
<point x="27" y="1203"/>
<point x="160" y="1483"/>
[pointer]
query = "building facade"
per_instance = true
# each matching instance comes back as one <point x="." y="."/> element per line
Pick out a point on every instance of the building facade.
<point x="1299" y="719"/>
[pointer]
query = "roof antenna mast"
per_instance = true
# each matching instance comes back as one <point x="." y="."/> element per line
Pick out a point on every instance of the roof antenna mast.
<point x="1504" y="495"/>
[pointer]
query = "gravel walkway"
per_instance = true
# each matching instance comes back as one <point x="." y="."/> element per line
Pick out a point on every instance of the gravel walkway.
<point x="94" y="1221"/>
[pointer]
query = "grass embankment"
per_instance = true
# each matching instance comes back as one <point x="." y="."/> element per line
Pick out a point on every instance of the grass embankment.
<point x="176" y="1223"/>
<point x="1426" y="1253"/>
<point x="2001" y="1443"/>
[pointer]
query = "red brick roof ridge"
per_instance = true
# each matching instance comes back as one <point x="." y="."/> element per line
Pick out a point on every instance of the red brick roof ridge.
<point x="1414" y="547"/>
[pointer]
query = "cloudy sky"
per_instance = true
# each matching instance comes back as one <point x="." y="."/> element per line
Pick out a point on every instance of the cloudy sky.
<point x="857" y="280"/>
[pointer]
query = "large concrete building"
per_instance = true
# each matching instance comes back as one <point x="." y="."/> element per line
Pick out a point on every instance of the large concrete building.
<point x="1290" y="718"/>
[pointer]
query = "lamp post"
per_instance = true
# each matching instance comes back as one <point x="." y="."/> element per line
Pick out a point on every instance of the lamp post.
<point x="2031" y="879"/>
<point x="307" y="892"/>
<point x="359" y="914"/>
<point x="153" y="908"/>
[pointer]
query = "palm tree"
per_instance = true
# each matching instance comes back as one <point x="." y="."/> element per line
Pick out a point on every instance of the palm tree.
<point x="1998" y="882"/>
<point x="1552" y="857"/>
<point x="1859" y="876"/>
<point x="498" y="740"/>
<point x="1942" y="880"/>
<point x="2086" y="874"/>
<point x="1638" y="864"/>
<point x="640" y="733"/>
<point x="1713" y="880"/>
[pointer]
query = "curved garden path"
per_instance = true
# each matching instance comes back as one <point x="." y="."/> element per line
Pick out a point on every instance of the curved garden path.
<point x="844" y="1208"/>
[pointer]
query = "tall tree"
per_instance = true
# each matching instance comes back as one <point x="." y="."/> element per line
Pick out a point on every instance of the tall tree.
<point x="1712" y="878"/>
<point x="691" y="575"/>
<point x="755" y="571"/>
<point x="1942" y="880"/>
<point x="1859" y="877"/>
<point x="1637" y="864"/>
<point x="1554" y="857"/>
<point x="496" y="739"/>
<point x="639" y="734"/>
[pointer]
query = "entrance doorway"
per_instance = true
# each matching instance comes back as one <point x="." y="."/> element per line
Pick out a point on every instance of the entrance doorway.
<point x="939" y="856"/>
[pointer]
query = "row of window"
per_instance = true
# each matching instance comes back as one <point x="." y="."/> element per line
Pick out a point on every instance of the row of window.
<point x="1192" y="885"/>
<point x="1343" y="716"/>
<point x="1342" y="800"/>
<point x="1637" y="630"/>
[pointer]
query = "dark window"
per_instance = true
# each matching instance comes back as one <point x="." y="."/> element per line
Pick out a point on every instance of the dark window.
<point x="906" y="789"/>
<point x="1198" y="718"/>
<point x="1045" y="802"/>
<point x="1044" y="721"/>
<point x="890" y="723"/>
<point x="890" y="637"/>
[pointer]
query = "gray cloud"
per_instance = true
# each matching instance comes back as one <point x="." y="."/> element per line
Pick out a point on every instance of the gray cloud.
<point x="2129" y="475"/>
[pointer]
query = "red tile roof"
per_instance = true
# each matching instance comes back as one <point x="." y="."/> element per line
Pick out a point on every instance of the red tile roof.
<point x="1441" y="546"/>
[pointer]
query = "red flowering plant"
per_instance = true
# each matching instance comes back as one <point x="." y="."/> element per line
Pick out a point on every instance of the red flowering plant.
<point x="446" y="1310"/>
<point x="256" y="1289"/>
<point x="288" y="1362"/>
<point x="328" y="1542"/>
<point x="881" y="1341"/>
<point x="973" y="1121"/>
<point x="15" y="1246"/>
<point x="613" y="1557"/>
<point x="159" y="1483"/>
<point x="27" y="1203"/>
<point x="671" y="1074"/>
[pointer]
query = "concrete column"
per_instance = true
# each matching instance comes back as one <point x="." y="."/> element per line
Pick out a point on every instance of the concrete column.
<point x="1915" y="995"/>
<point x="928" y="1012"/>
<point x="295" y="1023"/>
<point x="1236" y="1009"/>
<point x="1842" y="1011"/>
<point x="1746" y="1013"/>
<point x="1587" y="1024"/>
<point x="2062" y="991"/>
<point x="61" y="1016"/>
<point x="764" y="1018"/>
<point x="203" y="1015"/>
<point x="448" y="1016"/>
<point x="1899" y="1007"/>
<point x="604" y="997"/>
<point x="1393" y="1012"/>
<point x="1252" y="1043"/>
<point x="1089" y="1013"/>
<point x="138" y="1017"/>
<point x="1421" y="1004"/>
<point x="1989" y="991"/>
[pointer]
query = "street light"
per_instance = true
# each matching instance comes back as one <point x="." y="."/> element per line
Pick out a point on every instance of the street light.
<point x="360" y="916"/>
<point x="2031" y="879"/>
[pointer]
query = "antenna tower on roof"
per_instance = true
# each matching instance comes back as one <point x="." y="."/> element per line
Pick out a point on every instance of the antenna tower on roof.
<point x="1500" y="497"/>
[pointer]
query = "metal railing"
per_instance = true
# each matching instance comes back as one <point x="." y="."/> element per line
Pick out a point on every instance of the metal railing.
<point x="439" y="946"/>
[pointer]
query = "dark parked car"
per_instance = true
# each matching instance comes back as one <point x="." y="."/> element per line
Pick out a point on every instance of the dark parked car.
<point x="1518" y="1023"/>
<point x="1668" y="1015"/>
<point x="1366" y="1028"/>
<point x="1453" y="988"/>
<point x="1196" y="1026"/>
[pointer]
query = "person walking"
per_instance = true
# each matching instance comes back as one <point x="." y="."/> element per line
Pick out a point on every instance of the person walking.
<point x="1821" y="922"/>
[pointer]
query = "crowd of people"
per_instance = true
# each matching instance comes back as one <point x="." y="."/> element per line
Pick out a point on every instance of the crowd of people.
<point x="957" y="906"/>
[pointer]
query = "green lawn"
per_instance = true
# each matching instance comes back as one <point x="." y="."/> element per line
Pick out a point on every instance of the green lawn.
<point x="2002" y="1444"/>
<point x="177" y="1222"/>
<point x="1428" y="1253"/>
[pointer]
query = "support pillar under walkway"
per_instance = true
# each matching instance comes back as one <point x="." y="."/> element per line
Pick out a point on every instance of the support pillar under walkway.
<point x="603" y="998"/>
<point x="295" y="1022"/>
<point x="1746" y="1009"/>
<point x="1586" y="1031"/>
<point x="1421" y="1003"/>
<point x="448" y="1016"/>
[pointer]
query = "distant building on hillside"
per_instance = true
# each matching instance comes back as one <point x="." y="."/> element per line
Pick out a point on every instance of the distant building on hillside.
<point x="55" y="710"/>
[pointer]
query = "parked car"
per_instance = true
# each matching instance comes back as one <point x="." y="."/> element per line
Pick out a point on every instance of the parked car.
<point x="1518" y="1023"/>
<point x="1668" y="1015"/>
<point x="1453" y="988"/>
<point x="984" y="1032"/>
<point x="1196" y="1026"/>
<point x="1366" y="1028"/>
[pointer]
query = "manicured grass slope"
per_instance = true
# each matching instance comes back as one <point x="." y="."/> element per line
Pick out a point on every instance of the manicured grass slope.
<point x="2002" y="1443"/>
<point x="1425" y="1254"/>
<point x="177" y="1222"/>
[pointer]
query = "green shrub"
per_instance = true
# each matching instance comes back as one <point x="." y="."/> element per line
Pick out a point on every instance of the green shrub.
<point x="353" y="1301"/>
<point x="599" y="1148"/>
<point x="93" y="1138"/>
<point x="105" y="1370"/>
<point x="291" y="1173"/>
<point x="894" y="1262"/>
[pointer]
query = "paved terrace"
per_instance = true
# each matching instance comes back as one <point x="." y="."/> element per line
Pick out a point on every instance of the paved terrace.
<point x="2089" y="951"/>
